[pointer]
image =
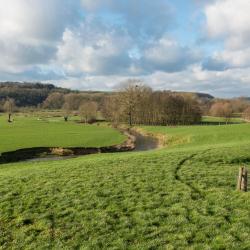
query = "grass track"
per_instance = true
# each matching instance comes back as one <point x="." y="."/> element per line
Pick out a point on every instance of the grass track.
<point x="182" y="197"/>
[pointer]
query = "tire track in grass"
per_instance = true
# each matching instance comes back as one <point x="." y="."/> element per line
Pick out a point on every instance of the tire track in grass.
<point x="52" y="228"/>
<point x="51" y="215"/>
<point x="195" y="192"/>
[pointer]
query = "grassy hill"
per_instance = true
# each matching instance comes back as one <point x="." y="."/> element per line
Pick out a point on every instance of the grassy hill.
<point x="179" y="197"/>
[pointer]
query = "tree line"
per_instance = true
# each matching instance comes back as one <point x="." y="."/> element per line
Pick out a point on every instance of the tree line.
<point x="135" y="103"/>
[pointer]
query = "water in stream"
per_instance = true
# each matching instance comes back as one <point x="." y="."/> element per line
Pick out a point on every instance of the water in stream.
<point x="143" y="143"/>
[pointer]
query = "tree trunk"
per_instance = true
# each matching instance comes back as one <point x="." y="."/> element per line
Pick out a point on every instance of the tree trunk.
<point x="130" y="119"/>
<point x="9" y="119"/>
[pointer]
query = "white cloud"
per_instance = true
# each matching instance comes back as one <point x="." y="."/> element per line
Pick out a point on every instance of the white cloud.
<point x="95" y="44"/>
<point x="93" y="51"/>
<point x="194" y="78"/>
<point x="30" y="31"/>
<point x="142" y="18"/>
<point x="168" y="55"/>
<point x="229" y="19"/>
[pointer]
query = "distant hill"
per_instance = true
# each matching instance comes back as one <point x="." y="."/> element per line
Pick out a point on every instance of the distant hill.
<point x="28" y="94"/>
<point x="205" y="96"/>
<point x="32" y="94"/>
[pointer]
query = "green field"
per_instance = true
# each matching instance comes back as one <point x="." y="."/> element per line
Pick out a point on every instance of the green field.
<point x="179" y="197"/>
<point x="218" y="120"/>
<point x="202" y="137"/>
<point x="30" y="132"/>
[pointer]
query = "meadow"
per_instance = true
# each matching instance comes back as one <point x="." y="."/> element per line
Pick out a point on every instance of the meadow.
<point x="32" y="131"/>
<point x="182" y="196"/>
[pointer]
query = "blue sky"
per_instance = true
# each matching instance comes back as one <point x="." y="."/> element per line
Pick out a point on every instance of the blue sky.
<point x="183" y="45"/>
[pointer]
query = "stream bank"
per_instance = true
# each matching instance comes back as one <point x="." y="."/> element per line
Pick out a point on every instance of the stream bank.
<point x="136" y="141"/>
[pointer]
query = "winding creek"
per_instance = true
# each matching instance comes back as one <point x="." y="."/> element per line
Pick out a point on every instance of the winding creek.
<point x="135" y="142"/>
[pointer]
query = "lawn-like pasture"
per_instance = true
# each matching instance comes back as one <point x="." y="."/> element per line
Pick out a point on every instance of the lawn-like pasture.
<point x="197" y="137"/>
<point x="220" y="120"/>
<point x="30" y="132"/>
<point x="179" y="197"/>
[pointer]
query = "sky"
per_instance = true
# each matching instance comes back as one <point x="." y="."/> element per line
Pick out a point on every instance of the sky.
<point x="179" y="45"/>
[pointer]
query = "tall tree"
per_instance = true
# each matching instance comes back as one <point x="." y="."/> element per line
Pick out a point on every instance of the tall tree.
<point x="246" y="114"/>
<point x="54" y="101"/>
<point x="129" y="97"/>
<point x="88" y="111"/>
<point x="136" y="103"/>
<point x="66" y="111"/>
<point x="8" y="107"/>
<point x="222" y="109"/>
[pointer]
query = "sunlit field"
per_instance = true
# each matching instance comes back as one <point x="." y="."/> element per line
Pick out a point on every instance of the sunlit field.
<point x="182" y="196"/>
<point x="30" y="132"/>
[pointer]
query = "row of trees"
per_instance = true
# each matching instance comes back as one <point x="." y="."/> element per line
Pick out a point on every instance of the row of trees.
<point x="57" y="100"/>
<point x="222" y="109"/>
<point x="228" y="108"/>
<point x="135" y="103"/>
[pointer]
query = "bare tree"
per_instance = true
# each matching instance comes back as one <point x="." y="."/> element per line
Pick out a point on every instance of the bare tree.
<point x="54" y="101"/>
<point x="222" y="109"/>
<point x="136" y="103"/>
<point x="88" y="111"/>
<point x="72" y="101"/>
<point x="66" y="111"/>
<point x="129" y="97"/>
<point x="9" y="107"/>
<point x="246" y="114"/>
<point x="111" y="109"/>
<point x="228" y="112"/>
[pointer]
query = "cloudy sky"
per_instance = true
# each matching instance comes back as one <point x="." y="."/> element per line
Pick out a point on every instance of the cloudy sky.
<point x="186" y="45"/>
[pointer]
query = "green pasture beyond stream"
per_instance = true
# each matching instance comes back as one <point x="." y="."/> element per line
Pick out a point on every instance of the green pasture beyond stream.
<point x="182" y="196"/>
<point x="31" y="132"/>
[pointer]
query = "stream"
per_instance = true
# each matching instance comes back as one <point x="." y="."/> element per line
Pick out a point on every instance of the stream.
<point x="140" y="143"/>
<point x="144" y="143"/>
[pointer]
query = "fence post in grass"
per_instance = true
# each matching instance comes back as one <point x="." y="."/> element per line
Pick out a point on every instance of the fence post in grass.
<point x="242" y="179"/>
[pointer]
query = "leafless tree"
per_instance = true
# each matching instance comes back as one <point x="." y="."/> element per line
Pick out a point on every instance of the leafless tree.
<point x="9" y="107"/>
<point x="73" y="101"/>
<point x="66" y="111"/>
<point x="88" y="111"/>
<point x="135" y="103"/>
<point x="246" y="114"/>
<point x="222" y="109"/>
<point x="111" y="109"/>
<point x="54" y="101"/>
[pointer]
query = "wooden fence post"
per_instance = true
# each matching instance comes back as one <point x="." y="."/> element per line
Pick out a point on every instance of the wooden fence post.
<point x="242" y="179"/>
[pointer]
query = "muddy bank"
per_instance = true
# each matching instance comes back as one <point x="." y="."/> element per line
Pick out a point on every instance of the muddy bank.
<point x="57" y="153"/>
<point x="136" y="141"/>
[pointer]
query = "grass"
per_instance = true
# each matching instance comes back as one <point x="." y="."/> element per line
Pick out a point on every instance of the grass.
<point x="197" y="137"/>
<point x="180" y="197"/>
<point x="29" y="132"/>
<point x="220" y="120"/>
